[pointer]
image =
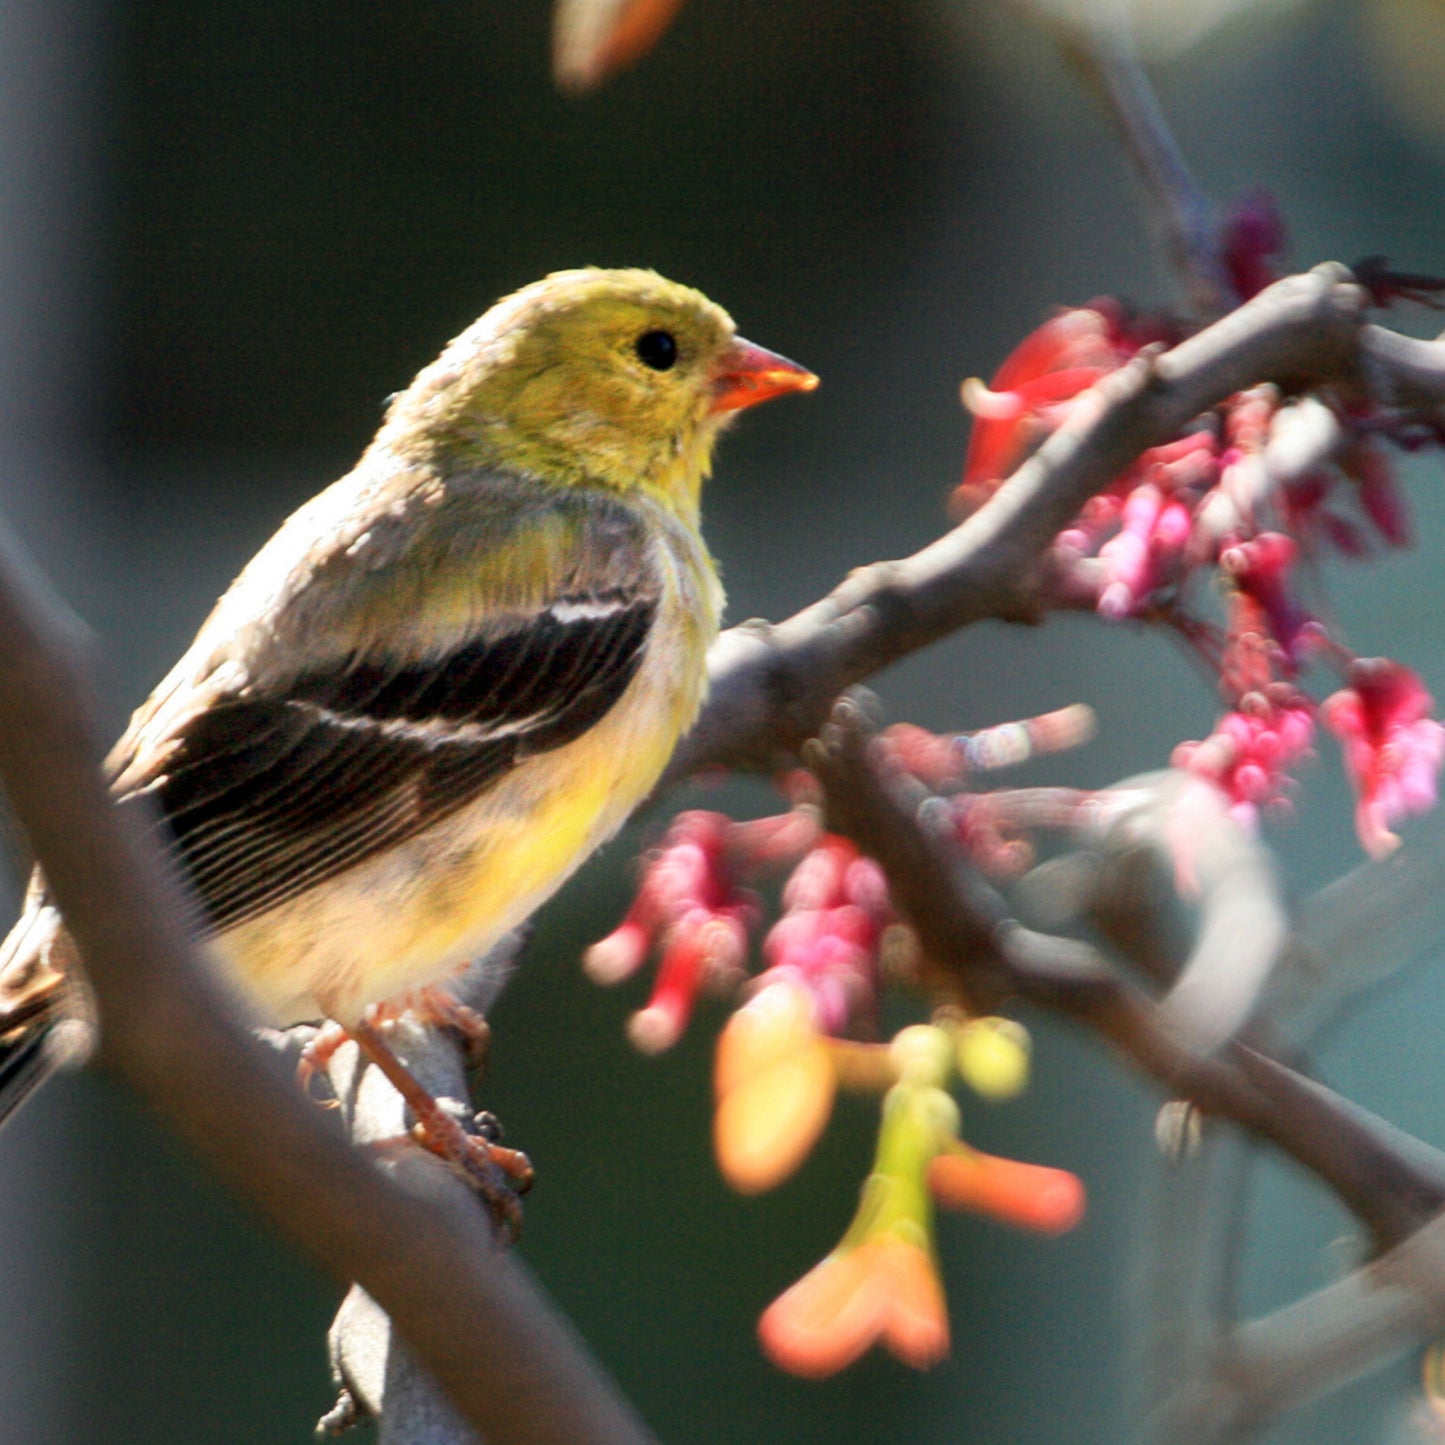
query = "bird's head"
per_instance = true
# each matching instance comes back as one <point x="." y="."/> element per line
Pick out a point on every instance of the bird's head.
<point x="617" y="378"/>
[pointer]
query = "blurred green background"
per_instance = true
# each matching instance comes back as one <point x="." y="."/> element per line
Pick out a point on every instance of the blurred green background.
<point x="227" y="232"/>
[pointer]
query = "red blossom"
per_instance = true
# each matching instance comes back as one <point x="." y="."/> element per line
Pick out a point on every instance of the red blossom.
<point x="1393" y="748"/>
<point x="1032" y="391"/>
<point x="1251" y="753"/>
<point x="1252" y="238"/>
<point x="948" y="761"/>
<point x="1380" y="498"/>
<point x="1262" y="568"/>
<point x="1152" y="533"/>
<point x="692" y="908"/>
<point x="690" y="905"/>
<point x="836" y="908"/>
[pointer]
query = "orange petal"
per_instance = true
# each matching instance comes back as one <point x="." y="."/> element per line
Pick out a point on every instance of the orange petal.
<point x="1031" y="1196"/>
<point x="916" y="1329"/>
<point x="593" y="39"/>
<point x="825" y="1321"/>
<point x="765" y="1129"/>
<point x="774" y="1024"/>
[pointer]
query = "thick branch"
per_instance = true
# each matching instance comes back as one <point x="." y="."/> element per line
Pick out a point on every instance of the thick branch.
<point x="772" y="684"/>
<point x="1274" y="1364"/>
<point x="469" y="1309"/>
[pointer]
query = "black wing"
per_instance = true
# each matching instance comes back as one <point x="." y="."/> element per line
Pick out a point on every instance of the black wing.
<point x="268" y="796"/>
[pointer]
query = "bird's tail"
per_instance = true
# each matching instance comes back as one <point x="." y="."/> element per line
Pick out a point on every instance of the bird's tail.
<point x="34" y="999"/>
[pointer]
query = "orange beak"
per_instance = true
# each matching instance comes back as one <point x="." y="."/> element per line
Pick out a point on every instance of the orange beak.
<point x="747" y="374"/>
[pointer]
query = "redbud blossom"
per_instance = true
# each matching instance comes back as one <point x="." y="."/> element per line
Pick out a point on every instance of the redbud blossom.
<point x="775" y="1082"/>
<point x="1379" y="493"/>
<point x="836" y="909"/>
<point x="688" y="871"/>
<point x="1262" y="568"/>
<point x="1152" y="533"/>
<point x="1393" y="748"/>
<point x="704" y="946"/>
<point x="1241" y="485"/>
<point x="1251" y="239"/>
<point x="947" y="762"/>
<point x="1029" y="1196"/>
<point x="1309" y="518"/>
<point x="691" y="906"/>
<point x="1251" y="752"/>
<point x="1031" y="392"/>
<point x="1251" y="658"/>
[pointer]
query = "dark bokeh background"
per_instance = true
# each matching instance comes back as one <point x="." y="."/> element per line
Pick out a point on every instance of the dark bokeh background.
<point x="228" y="231"/>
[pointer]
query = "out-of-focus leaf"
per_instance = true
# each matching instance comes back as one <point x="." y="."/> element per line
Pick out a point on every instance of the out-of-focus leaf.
<point x="594" y="39"/>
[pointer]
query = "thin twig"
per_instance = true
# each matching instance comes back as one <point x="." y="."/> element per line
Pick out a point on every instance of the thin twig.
<point x="1182" y="215"/>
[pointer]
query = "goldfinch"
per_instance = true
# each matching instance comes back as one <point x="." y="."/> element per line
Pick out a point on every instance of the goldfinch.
<point x="451" y="675"/>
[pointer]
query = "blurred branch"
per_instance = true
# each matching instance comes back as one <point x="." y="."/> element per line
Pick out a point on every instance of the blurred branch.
<point x="1207" y="1381"/>
<point x="772" y="684"/>
<point x="1270" y="1365"/>
<point x="1358" y="931"/>
<point x="1181" y="211"/>
<point x="1243" y="926"/>
<point x="1185" y="1285"/>
<point x="506" y="1358"/>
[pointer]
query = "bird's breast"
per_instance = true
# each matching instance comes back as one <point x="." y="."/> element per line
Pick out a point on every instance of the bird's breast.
<point x="416" y="913"/>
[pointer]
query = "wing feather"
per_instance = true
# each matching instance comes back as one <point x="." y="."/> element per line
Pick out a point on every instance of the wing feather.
<point x="272" y="790"/>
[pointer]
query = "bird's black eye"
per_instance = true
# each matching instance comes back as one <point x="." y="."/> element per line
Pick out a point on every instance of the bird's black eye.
<point x="657" y="349"/>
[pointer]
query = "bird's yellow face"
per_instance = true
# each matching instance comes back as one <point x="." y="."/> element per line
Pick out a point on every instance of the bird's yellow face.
<point x="613" y="378"/>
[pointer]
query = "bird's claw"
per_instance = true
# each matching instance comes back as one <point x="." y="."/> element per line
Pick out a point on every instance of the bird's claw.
<point x="316" y="1057"/>
<point x="500" y="1175"/>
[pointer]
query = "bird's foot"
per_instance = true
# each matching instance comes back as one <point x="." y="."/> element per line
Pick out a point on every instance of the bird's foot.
<point x="433" y="1006"/>
<point x="316" y="1056"/>
<point x="437" y="1008"/>
<point x="497" y="1173"/>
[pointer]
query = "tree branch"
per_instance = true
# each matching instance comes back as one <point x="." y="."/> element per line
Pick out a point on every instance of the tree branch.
<point x="507" y="1359"/>
<point x="974" y="947"/>
<point x="1180" y="210"/>
<point x="1270" y="1365"/>
<point x="773" y="683"/>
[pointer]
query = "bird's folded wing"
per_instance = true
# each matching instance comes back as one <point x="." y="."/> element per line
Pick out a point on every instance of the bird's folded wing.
<point x="270" y="792"/>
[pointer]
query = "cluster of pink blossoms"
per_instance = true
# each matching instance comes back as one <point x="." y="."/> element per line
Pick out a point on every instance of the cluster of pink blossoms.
<point x="693" y="909"/>
<point x="1208" y="508"/>
<point x="1205" y="514"/>
<point x="1393" y="747"/>
<point x="802" y="1029"/>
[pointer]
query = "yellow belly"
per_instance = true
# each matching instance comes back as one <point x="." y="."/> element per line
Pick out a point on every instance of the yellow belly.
<point x="416" y="914"/>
